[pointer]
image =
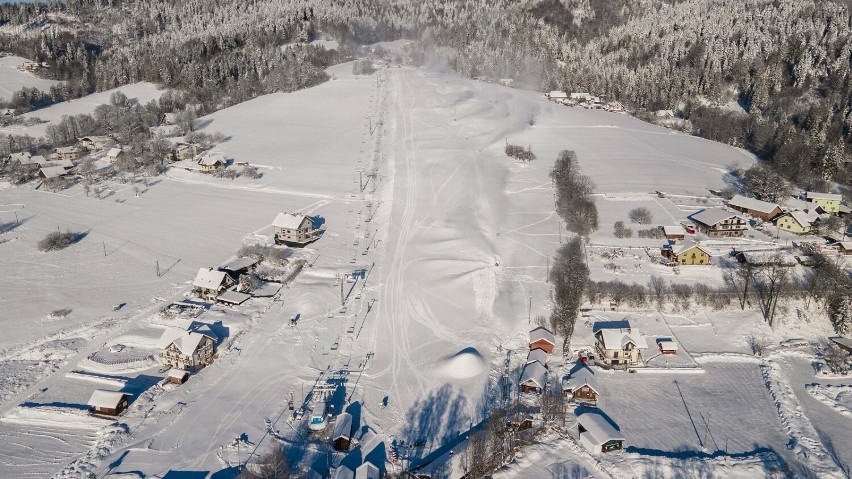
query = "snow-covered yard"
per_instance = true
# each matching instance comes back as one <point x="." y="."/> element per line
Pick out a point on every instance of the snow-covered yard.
<point x="13" y="80"/>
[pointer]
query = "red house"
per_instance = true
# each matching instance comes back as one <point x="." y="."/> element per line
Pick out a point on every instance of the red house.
<point x="542" y="338"/>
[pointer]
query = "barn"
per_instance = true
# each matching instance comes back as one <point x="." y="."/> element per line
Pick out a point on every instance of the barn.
<point x="533" y="378"/>
<point x="342" y="436"/>
<point x="581" y="385"/>
<point x="542" y="338"/>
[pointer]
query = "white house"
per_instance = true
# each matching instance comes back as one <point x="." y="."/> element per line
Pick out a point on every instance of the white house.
<point x="211" y="162"/>
<point x="597" y="434"/>
<point x="210" y="283"/>
<point x="187" y="350"/>
<point x="294" y="229"/>
<point x="620" y="344"/>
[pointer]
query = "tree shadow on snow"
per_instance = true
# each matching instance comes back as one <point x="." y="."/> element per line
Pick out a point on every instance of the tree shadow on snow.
<point x="172" y="474"/>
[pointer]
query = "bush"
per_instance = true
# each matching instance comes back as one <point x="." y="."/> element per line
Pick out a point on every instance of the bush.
<point x="640" y="215"/>
<point x="622" y="231"/>
<point x="251" y="172"/>
<point x="56" y="241"/>
<point x="520" y="153"/>
<point x="653" y="233"/>
<point x="264" y="253"/>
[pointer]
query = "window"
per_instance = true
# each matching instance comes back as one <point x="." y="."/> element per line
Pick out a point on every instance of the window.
<point x="615" y="354"/>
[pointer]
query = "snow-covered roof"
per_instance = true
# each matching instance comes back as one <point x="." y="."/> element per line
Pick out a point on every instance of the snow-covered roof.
<point x="177" y="373"/>
<point x="52" y="171"/>
<point x="537" y="354"/>
<point x="212" y="159"/>
<point x="40" y="160"/>
<point x="535" y="372"/>
<point x="557" y="94"/>
<point x="103" y="398"/>
<point x="114" y="152"/>
<point x="617" y="338"/>
<point x="687" y="245"/>
<point x="96" y="139"/>
<point x="238" y="264"/>
<point x="342" y="472"/>
<point x="667" y="345"/>
<point x="290" y="221"/>
<point x="542" y="333"/>
<point x="342" y="426"/>
<point x="712" y="216"/>
<point x="753" y="204"/>
<point x="769" y="257"/>
<point x="186" y="341"/>
<point x="67" y="164"/>
<point x="674" y="230"/>
<point x="804" y="218"/>
<point x="367" y="471"/>
<point x="840" y="340"/>
<point x="812" y="195"/>
<point x="67" y="149"/>
<point x="233" y="297"/>
<point x="23" y="157"/>
<point x="600" y="430"/>
<point x="582" y="377"/>
<point x="209" y="278"/>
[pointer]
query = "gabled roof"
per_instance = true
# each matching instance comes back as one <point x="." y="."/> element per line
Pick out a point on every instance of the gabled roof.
<point x="688" y="245"/>
<point x="40" y="160"/>
<point x="812" y="195"/>
<point x="238" y="264"/>
<point x="535" y="372"/>
<point x="367" y="471"/>
<point x="712" y="216"/>
<point x="542" y="333"/>
<point x="804" y="218"/>
<point x="23" y="157"/>
<point x="582" y="377"/>
<point x="290" y="221"/>
<point x="342" y="426"/>
<point x="753" y="204"/>
<point x="616" y="338"/>
<point x="537" y="354"/>
<point x="103" y="398"/>
<point x="557" y="94"/>
<point x="767" y="257"/>
<point x="67" y="149"/>
<point x="600" y="430"/>
<point x="210" y="278"/>
<point x="840" y="340"/>
<point x="212" y="159"/>
<point x="674" y="230"/>
<point x="52" y="171"/>
<point x="67" y="164"/>
<point x="96" y="139"/>
<point x="186" y="341"/>
<point x="233" y="297"/>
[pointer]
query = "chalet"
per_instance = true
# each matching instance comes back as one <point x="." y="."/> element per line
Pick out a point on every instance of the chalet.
<point x="755" y="208"/>
<point x="538" y="355"/>
<point x="533" y="378"/>
<point x="95" y="143"/>
<point x="667" y="346"/>
<point x="210" y="283"/>
<point x="211" y="162"/>
<point x="620" y="345"/>
<point x="341" y="438"/>
<point x="581" y="385"/>
<point x="798" y="222"/>
<point x="830" y="202"/>
<point x="368" y="470"/>
<point x="237" y="267"/>
<point x="114" y="154"/>
<point x="71" y="153"/>
<point x="676" y="232"/>
<point x="177" y="376"/>
<point x="109" y="403"/>
<point x="186" y="151"/>
<point x="187" y="350"/>
<point x="542" y="338"/>
<point x="294" y="229"/>
<point x="597" y="434"/>
<point x="557" y="96"/>
<point x="687" y="253"/>
<point x="50" y="172"/>
<point x="719" y="222"/>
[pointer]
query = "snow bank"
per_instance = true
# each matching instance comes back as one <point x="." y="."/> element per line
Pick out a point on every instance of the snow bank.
<point x="465" y="364"/>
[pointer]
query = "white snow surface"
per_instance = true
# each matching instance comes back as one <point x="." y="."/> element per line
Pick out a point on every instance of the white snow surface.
<point x="13" y="80"/>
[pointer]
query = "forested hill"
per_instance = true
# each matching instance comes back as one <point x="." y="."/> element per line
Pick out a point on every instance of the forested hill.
<point x="786" y="61"/>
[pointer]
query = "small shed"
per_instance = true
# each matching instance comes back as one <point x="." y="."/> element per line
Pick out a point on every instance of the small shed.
<point x="110" y="403"/>
<point x="177" y="376"/>
<point x="234" y="298"/>
<point x="342" y="436"/>
<point x="542" y="338"/>
<point x="676" y="232"/>
<point x="533" y="378"/>
<point x="667" y="346"/>
<point x="597" y="434"/>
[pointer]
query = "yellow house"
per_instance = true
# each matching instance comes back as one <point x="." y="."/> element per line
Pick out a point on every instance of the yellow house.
<point x="688" y="252"/>
<point x="830" y="202"/>
<point x="798" y="222"/>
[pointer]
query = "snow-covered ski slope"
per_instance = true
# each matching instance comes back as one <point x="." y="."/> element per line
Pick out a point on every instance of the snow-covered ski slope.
<point x="459" y="239"/>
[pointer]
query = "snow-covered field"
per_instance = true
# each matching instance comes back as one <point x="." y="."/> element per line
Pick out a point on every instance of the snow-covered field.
<point x="13" y="80"/>
<point x="452" y="238"/>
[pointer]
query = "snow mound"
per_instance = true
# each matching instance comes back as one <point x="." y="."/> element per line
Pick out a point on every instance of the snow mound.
<point x="465" y="364"/>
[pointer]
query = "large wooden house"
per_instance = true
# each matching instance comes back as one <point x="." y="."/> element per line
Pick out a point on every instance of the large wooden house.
<point x="108" y="403"/>
<point x="619" y="344"/>
<point x="294" y="229"/>
<point x="187" y="350"/>
<point x="720" y="223"/>
<point x="210" y="283"/>
<point x="581" y="385"/>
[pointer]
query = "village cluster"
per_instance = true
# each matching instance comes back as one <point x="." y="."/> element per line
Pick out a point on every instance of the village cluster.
<point x="185" y="351"/>
<point x="585" y="100"/>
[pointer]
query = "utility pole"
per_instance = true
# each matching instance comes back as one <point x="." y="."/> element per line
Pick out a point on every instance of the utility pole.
<point x="158" y="269"/>
<point x="342" y="278"/>
<point x="529" y="310"/>
<point x="547" y="273"/>
<point x="104" y="242"/>
<point x="707" y="430"/>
